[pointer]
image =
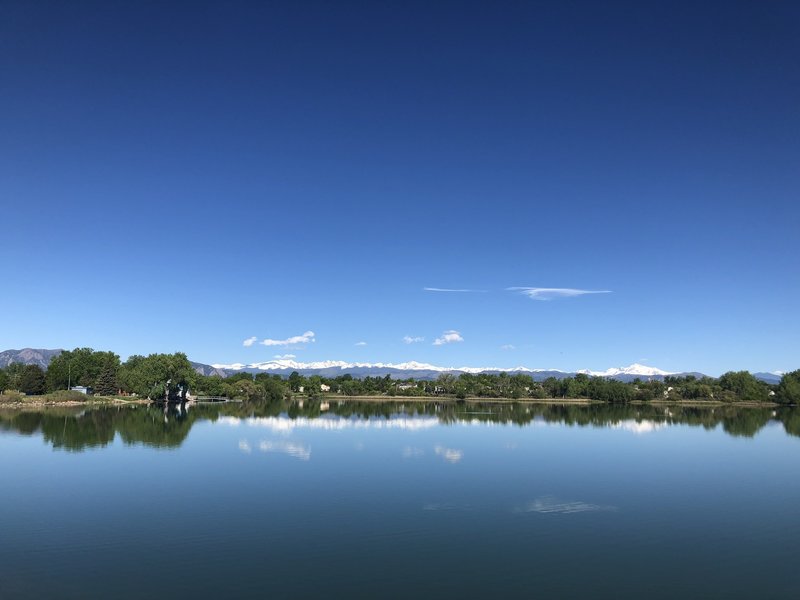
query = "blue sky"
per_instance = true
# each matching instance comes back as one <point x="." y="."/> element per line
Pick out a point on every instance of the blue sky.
<point x="185" y="177"/>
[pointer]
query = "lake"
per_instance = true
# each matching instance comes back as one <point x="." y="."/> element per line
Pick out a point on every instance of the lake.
<point x="389" y="500"/>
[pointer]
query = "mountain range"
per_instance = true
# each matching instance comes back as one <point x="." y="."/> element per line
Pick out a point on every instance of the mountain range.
<point x="417" y="370"/>
<point x="28" y="356"/>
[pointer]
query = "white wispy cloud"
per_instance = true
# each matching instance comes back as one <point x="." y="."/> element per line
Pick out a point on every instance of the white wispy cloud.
<point x="307" y="337"/>
<point x="250" y="341"/>
<point x="361" y="343"/>
<point x="448" y="337"/>
<point x="508" y="347"/>
<point x="279" y="356"/>
<point x="461" y="291"/>
<point x="413" y="340"/>
<point x="538" y="293"/>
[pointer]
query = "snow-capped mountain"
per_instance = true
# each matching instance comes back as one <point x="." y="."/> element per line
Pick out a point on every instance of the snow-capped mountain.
<point x="635" y="369"/>
<point x="418" y="370"/>
<point x="415" y="369"/>
<point x="288" y="364"/>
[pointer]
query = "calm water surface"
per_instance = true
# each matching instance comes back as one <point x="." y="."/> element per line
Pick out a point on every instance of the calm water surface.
<point x="390" y="501"/>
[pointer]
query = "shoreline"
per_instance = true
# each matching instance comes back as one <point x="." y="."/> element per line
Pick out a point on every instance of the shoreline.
<point x="570" y="401"/>
<point x="105" y="401"/>
<point x="453" y="400"/>
<point x="102" y="401"/>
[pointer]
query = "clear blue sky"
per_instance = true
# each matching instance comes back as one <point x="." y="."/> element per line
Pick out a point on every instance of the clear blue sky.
<point x="183" y="176"/>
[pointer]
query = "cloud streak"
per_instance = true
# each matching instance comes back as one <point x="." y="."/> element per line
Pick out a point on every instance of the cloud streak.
<point x="413" y="340"/>
<point x="361" y="343"/>
<point x="545" y="294"/>
<point x="249" y="341"/>
<point x="448" y="337"/>
<point x="458" y="291"/>
<point x="305" y="338"/>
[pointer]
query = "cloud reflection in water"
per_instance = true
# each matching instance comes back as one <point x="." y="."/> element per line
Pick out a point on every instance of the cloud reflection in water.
<point x="451" y="455"/>
<point x="552" y="505"/>
<point x="292" y="449"/>
<point x="287" y="425"/>
<point x="411" y="452"/>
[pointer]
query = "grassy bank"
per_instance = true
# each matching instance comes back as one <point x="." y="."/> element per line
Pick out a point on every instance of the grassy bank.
<point x="453" y="399"/>
<point x="69" y="398"/>
<point x="579" y="401"/>
<point x="61" y="398"/>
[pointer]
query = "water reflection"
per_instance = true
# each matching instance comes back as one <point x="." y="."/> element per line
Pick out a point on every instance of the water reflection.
<point x="451" y="455"/>
<point x="292" y="449"/>
<point x="285" y="424"/>
<point x="552" y="505"/>
<point x="412" y="452"/>
<point x="81" y="429"/>
<point x="639" y="427"/>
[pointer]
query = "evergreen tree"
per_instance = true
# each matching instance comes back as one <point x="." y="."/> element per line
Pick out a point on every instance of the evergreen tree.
<point x="32" y="380"/>
<point x="106" y="384"/>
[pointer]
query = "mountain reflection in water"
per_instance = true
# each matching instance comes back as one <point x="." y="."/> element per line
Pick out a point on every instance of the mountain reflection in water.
<point x="153" y="426"/>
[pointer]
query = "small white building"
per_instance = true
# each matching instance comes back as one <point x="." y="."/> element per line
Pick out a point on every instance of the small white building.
<point x="81" y="389"/>
<point x="324" y="388"/>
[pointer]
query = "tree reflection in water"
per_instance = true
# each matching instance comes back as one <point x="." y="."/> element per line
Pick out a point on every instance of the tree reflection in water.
<point x="159" y="427"/>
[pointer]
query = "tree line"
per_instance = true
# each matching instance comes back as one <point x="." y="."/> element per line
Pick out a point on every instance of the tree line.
<point x="171" y="376"/>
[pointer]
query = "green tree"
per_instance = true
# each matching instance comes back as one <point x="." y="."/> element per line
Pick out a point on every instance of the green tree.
<point x="3" y="380"/>
<point x="106" y="383"/>
<point x="743" y="386"/>
<point x="213" y="385"/>
<point x="249" y="390"/>
<point x="788" y="391"/>
<point x="81" y="366"/>
<point x="296" y="381"/>
<point x="32" y="380"/>
<point x="447" y="382"/>
<point x="552" y="387"/>
<point x="14" y="373"/>
<point x="274" y="387"/>
<point x="157" y="376"/>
